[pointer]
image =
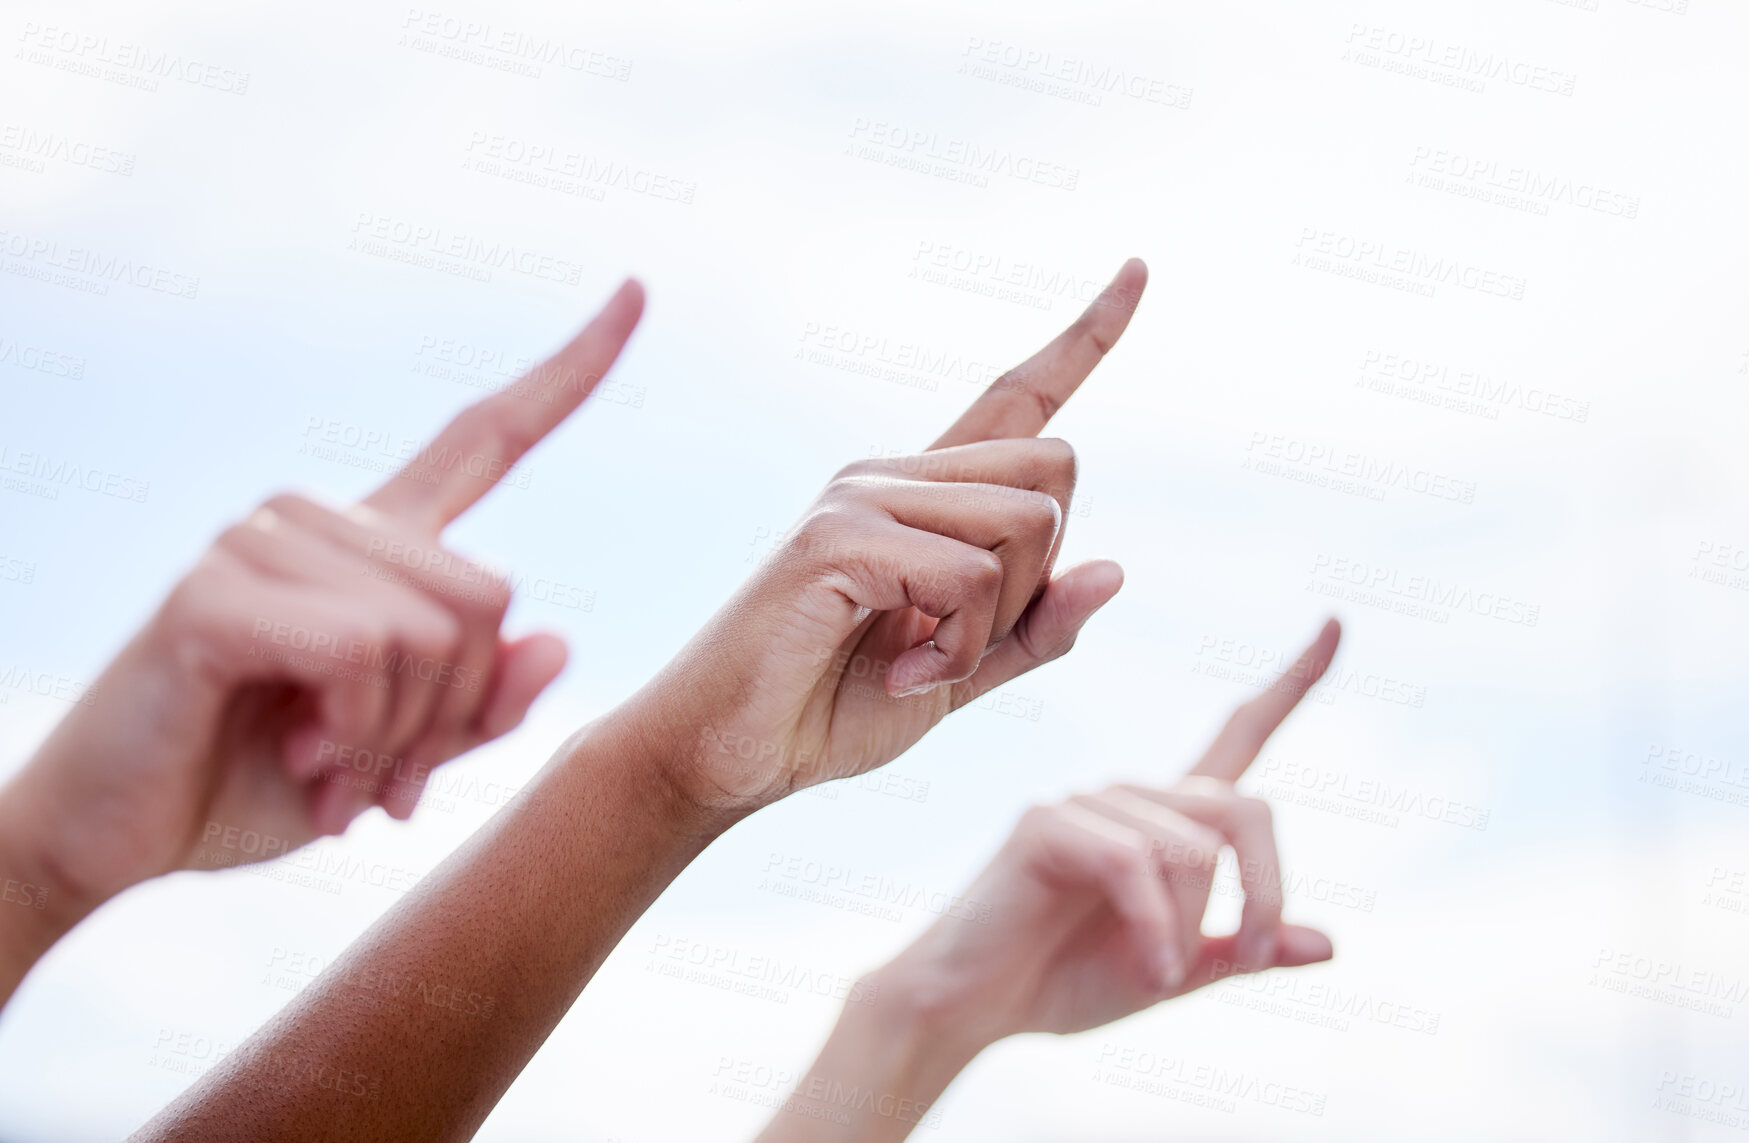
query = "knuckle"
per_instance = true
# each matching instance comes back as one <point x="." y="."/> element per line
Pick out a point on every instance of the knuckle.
<point x="1256" y="811"/>
<point x="239" y="537"/>
<point x="1089" y="328"/>
<point x="818" y="535"/>
<point x="1057" y="454"/>
<point x="1039" y="819"/>
<point x="435" y="631"/>
<point x="1042" y="397"/>
<point x="517" y="438"/>
<point x="864" y="488"/>
<point x="1126" y="858"/>
<point x="189" y="601"/>
<point x="1044" y="513"/>
<point x="1136" y="791"/>
<point x="508" y="435"/>
<point x="288" y="504"/>
<point x="983" y="571"/>
<point x="1057" y="466"/>
<point x="853" y="471"/>
<point x="962" y="661"/>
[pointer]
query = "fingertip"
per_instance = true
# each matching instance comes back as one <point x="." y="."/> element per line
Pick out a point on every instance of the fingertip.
<point x="302" y="750"/>
<point x="1330" y="639"/>
<point x="331" y="808"/>
<point x="546" y="654"/>
<point x="1090" y="586"/>
<point x="1106" y="576"/>
<point x="916" y="672"/>
<point x="1125" y="290"/>
<point x="399" y="797"/>
<point x="1299" y="945"/>
<point x="1309" y="668"/>
<point x="400" y="802"/>
<point x="629" y="295"/>
<point x="605" y="334"/>
<point x="527" y="667"/>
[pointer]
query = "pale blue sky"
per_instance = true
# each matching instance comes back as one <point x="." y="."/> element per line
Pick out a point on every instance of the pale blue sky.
<point x="1333" y="136"/>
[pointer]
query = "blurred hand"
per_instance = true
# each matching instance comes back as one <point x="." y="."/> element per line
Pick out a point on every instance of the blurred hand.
<point x="912" y="586"/>
<point x="1095" y="906"/>
<point x="313" y="662"/>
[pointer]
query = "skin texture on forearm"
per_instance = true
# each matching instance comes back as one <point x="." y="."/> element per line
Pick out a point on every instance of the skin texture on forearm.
<point x="425" y="1022"/>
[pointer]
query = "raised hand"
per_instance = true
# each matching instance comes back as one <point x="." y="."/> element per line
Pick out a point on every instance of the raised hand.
<point x="929" y="575"/>
<point x="313" y="662"/>
<point x="1095" y="906"/>
<point x="1092" y="910"/>
<point x="912" y="586"/>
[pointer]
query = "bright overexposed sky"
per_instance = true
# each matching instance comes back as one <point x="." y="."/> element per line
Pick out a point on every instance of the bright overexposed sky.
<point x="1447" y="303"/>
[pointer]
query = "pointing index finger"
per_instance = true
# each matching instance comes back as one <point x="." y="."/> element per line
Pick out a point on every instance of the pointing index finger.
<point x="1021" y="401"/>
<point x="1239" y="742"/>
<point x="485" y="440"/>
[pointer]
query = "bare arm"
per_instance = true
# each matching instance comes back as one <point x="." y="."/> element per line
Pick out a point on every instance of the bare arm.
<point x="911" y="587"/>
<point x="1091" y="911"/>
<point x="420" y="1027"/>
<point x="313" y="663"/>
<point x="881" y="1070"/>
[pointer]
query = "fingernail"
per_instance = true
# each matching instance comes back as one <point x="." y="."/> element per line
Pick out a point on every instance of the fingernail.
<point x="920" y="689"/>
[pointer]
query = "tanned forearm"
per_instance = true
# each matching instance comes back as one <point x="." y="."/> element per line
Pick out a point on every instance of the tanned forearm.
<point x="418" y="1030"/>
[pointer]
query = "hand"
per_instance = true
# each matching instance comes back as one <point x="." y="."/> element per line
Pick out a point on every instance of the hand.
<point x="313" y="662"/>
<point x="1095" y="906"/>
<point x="912" y="586"/>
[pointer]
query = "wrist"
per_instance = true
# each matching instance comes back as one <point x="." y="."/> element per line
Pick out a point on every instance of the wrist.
<point x="891" y="1055"/>
<point x="715" y="772"/>
<point x="80" y="817"/>
<point x="943" y="1014"/>
<point x="38" y="902"/>
<point x="648" y="753"/>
